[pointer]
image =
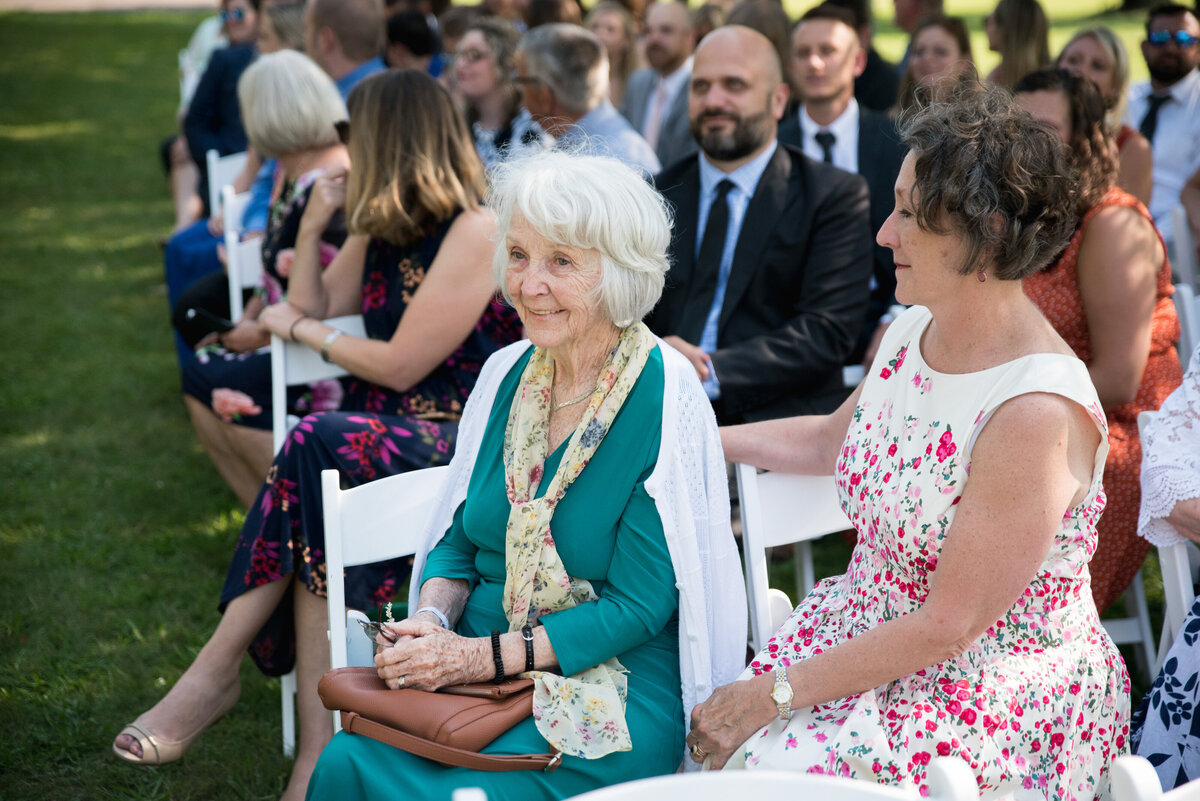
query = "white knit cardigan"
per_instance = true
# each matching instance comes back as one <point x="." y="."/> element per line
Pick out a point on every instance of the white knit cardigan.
<point x="690" y="489"/>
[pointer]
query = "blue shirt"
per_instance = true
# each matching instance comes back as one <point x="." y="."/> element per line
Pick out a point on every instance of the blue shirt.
<point x="254" y="218"/>
<point x="604" y="132"/>
<point x="745" y="181"/>
<point x="351" y="78"/>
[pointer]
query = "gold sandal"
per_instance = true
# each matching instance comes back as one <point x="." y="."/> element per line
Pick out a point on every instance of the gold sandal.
<point x="157" y="751"/>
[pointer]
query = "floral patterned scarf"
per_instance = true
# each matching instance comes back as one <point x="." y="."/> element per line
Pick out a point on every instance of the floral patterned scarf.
<point x="581" y="715"/>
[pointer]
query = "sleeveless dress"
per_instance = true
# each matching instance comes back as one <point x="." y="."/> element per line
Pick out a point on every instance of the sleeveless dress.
<point x="379" y="432"/>
<point x="1038" y="705"/>
<point x="250" y="371"/>
<point x="1056" y="293"/>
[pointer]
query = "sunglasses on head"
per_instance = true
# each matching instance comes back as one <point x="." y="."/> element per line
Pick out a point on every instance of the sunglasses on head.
<point x="235" y="14"/>
<point x="1181" y="38"/>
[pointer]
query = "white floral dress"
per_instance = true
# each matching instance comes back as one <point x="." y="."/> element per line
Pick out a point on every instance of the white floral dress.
<point x="1039" y="705"/>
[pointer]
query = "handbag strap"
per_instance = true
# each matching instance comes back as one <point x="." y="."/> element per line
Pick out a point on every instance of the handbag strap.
<point x="446" y="754"/>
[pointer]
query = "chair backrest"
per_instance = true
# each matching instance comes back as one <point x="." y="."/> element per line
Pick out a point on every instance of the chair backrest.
<point x="781" y="509"/>
<point x="293" y="363"/>
<point x="382" y="519"/>
<point x="243" y="260"/>
<point x="1134" y="779"/>
<point x="1188" y="311"/>
<point x="949" y="780"/>
<point x="1184" y="257"/>
<point x="221" y="170"/>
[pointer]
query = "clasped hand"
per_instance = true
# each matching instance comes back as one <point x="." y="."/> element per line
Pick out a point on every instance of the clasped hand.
<point x="426" y="656"/>
<point x="730" y="716"/>
<point x="327" y="197"/>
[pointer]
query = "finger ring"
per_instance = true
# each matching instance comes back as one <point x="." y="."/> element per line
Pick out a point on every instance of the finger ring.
<point x="698" y="752"/>
<point x="399" y="682"/>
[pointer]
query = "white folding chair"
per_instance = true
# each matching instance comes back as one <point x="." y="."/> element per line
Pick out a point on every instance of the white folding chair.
<point x="782" y="509"/>
<point x="1188" y="312"/>
<point x="1183" y="260"/>
<point x="382" y="519"/>
<point x="293" y="363"/>
<point x="221" y="170"/>
<point x="949" y="780"/>
<point x="1133" y="779"/>
<point x="243" y="260"/>
<point x="1180" y="565"/>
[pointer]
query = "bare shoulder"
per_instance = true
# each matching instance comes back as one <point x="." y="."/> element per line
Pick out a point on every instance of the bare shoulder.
<point x="477" y="222"/>
<point x="1039" y="422"/>
<point x="1123" y="227"/>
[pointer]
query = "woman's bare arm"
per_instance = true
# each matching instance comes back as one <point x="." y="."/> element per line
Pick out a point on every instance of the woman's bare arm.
<point x="807" y="445"/>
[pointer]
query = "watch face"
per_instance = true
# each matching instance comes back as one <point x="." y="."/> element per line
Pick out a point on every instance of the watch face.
<point x="782" y="694"/>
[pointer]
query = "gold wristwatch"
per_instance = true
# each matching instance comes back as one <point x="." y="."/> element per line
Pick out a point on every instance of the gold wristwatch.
<point x="781" y="693"/>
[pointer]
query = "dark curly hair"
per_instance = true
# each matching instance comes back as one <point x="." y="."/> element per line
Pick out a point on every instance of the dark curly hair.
<point x="1091" y="152"/>
<point x="986" y="171"/>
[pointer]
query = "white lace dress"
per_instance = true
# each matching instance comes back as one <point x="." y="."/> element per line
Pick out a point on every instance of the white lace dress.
<point x="1166" y="729"/>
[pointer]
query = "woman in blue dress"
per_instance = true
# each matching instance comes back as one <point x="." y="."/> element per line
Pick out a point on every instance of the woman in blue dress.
<point x="583" y="539"/>
<point x="416" y="265"/>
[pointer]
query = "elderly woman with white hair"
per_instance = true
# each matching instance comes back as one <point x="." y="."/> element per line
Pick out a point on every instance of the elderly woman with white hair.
<point x="605" y="433"/>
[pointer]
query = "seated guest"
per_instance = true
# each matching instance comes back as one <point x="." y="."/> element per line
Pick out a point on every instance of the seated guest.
<point x="706" y="19"/>
<point x="1019" y="32"/>
<point x="878" y="86"/>
<point x="582" y="423"/>
<point x="771" y="252"/>
<point x="1162" y="730"/>
<point x="1098" y="53"/>
<point x="290" y="107"/>
<point x="544" y="12"/>
<point x="614" y="27"/>
<point x="345" y="37"/>
<point x="656" y="103"/>
<point x="832" y="127"/>
<point x="769" y="18"/>
<point x="969" y="462"/>
<point x="411" y="43"/>
<point x="484" y="63"/>
<point x="213" y="121"/>
<point x="562" y="71"/>
<point x="1109" y="296"/>
<point x="417" y="267"/>
<point x="908" y="13"/>
<point x="281" y="27"/>
<point x="940" y="56"/>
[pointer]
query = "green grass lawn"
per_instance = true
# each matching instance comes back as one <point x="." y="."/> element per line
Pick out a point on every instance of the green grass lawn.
<point x="115" y="531"/>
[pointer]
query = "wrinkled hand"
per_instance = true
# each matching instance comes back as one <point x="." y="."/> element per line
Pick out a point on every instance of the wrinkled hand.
<point x="730" y="716"/>
<point x="278" y="318"/>
<point x="428" y="657"/>
<point x="1185" y="517"/>
<point x="327" y="197"/>
<point x="699" y="359"/>
<point x="247" y="335"/>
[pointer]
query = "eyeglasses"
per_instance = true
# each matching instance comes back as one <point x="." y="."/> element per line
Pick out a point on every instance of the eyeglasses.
<point x="235" y="14"/>
<point x="470" y="55"/>
<point x="343" y="131"/>
<point x="1181" y="38"/>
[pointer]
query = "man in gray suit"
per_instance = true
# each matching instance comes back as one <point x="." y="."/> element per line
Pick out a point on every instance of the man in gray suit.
<point x="656" y="98"/>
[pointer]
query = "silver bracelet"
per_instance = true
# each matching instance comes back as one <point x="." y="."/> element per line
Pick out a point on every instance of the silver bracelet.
<point x="441" y="616"/>
<point x="329" y="340"/>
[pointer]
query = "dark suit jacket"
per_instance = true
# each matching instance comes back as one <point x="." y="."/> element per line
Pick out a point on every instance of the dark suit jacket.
<point x="797" y="289"/>
<point x="880" y="154"/>
<point x="214" y="121"/>
<point x="878" y="87"/>
<point x="675" y="137"/>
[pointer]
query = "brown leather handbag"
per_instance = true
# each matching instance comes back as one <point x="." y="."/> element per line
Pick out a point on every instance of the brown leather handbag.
<point x="449" y="726"/>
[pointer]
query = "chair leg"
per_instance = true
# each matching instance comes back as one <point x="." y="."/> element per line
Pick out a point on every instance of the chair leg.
<point x="1141" y="611"/>
<point x="287" y="688"/>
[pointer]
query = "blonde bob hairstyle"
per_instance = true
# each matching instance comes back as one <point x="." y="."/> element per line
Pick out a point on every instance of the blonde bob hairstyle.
<point x="413" y="160"/>
<point x="590" y="203"/>
<point x="289" y="105"/>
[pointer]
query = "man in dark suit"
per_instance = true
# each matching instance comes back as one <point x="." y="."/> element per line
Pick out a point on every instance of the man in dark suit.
<point x="770" y="250"/>
<point x="831" y="126"/>
<point x="656" y="98"/>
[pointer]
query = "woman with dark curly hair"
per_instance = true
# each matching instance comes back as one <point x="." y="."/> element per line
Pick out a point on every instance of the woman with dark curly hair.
<point x="969" y="462"/>
<point x="1109" y="296"/>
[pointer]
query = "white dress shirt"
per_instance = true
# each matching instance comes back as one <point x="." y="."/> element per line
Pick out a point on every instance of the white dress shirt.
<point x="845" y="131"/>
<point x="1176" y="143"/>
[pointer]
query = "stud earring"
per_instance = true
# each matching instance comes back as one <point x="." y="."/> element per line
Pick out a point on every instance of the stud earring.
<point x="981" y="275"/>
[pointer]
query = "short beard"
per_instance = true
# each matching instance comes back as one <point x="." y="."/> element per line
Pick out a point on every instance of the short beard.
<point x="1171" y="72"/>
<point x="749" y="135"/>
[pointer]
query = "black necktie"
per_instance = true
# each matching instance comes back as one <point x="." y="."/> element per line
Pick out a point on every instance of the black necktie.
<point x="1150" y="122"/>
<point x="712" y="246"/>
<point x="826" y="139"/>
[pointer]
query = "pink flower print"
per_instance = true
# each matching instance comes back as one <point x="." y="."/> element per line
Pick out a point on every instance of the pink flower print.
<point x="943" y="749"/>
<point x="230" y="404"/>
<point x="946" y="447"/>
<point x="326" y="395"/>
<point x="791" y="742"/>
<point x="916" y="379"/>
<point x="892" y="449"/>
<point x="926" y="385"/>
<point x="916" y="462"/>
<point x="284" y="260"/>
<point x="921" y="758"/>
<point x="900" y="356"/>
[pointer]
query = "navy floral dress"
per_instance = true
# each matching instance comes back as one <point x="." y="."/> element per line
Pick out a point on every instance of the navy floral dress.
<point x="387" y="433"/>
<point x="1166" y="727"/>
<point x="250" y="372"/>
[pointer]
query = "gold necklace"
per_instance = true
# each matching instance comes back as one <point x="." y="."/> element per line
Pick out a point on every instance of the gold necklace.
<point x="571" y="402"/>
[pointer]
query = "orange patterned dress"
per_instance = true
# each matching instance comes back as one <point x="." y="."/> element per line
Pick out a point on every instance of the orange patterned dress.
<point x="1120" y="551"/>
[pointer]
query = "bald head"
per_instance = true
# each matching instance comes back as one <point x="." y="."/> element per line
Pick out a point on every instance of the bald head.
<point x="737" y="95"/>
<point x="744" y="46"/>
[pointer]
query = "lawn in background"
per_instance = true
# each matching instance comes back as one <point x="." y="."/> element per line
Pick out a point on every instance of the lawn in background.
<point x="115" y="531"/>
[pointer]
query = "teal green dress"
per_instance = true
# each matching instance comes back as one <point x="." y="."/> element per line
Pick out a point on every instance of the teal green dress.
<point x="607" y="531"/>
